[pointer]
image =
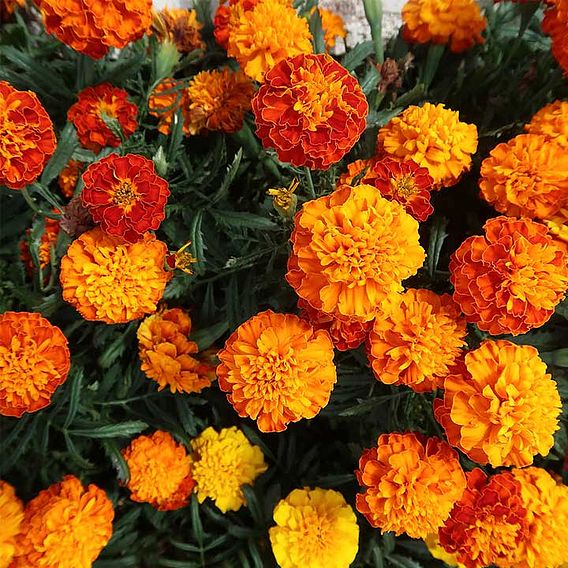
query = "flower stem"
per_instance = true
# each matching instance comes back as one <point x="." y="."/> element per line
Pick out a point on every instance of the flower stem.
<point x="374" y="15"/>
<point x="311" y="188"/>
<point x="35" y="207"/>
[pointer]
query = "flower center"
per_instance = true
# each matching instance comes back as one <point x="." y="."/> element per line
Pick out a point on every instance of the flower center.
<point x="125" y="195"/>
<point x="403" y="185"/>
<point x="107" y="109"/>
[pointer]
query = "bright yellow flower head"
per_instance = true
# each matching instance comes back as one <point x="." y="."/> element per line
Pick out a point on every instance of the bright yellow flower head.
<point x="222" y="462"/>
<point x="552" y="122"/>
<point x="12" y="515"/>
<point x="315" y="528"/>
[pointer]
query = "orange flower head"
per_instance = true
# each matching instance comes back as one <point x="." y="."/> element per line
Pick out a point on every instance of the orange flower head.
<point x="65" y="526"/>
<point x="125" y="195"/>
<point x="501" y="406"/>
<point x="510" y="279"/>
<point x="166" y="99"/>
<point x="350" y="250"/>
<point x="276" y="369"/>
<point x="27" y="140"/>
<point x="551" y="121"/>
<point x="12" y="511"/>
<point x="410" y="484"/>
<point x="333" y="27"/>
<point x="222" y="19"/>
<point x="488" y="523"/>
<point x="358" y="172"/>
<point x="167" y="354"/>
<point x="7" y="8"/>
<point x="182" y="28"/>
<point x="264" y="35"/>
<point x="47" y="243"/>
<point x="458" y="23"/>
<point x="34" y="361"/>
<point x="69" y="177"/>
<point x="160" y="471"/>
<point x="558" y="228"/>
<point x="96" y="106"/>
<point x="416" y="339"/>
<point x="107" y="279"/>
<point x="310" y="110"/>
<point x="554" y="24"/>
<point x="434" y="138"/>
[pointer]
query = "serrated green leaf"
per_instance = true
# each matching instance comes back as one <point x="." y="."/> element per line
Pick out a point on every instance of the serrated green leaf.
<point x="205" y="337"/>
<point x="438" y="235"/>
<point x="355" y="57"/>
<point x="66" y="145"/>
<point x="121" y="430"/>
<point x="242" y="219"/>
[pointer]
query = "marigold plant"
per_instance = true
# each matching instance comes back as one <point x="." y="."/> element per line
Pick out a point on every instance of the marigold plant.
<point x="46" y="245"/>
<point x="181" y="27"/>
<point x="12" y="511"/>
<point x="554" y="24"/>
<point x="333" y="27"/>
<point x="169" y="97"/>
<point x="8" y="7"/>
<point x="551" y="121"/>
<point x="358" y="172"/>
<point x="69" y="176"/>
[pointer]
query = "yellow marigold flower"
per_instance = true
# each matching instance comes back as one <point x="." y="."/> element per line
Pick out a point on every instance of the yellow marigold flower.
<point x="558" y="228"/>
<point x="437" y="551"/>
<point x="65" y="526"/>
<point x="456" y="22"/>
<point x="269" y="32"/>
<point x="501" y="406"/>
<point x="552" y="122"/>
<point x="12" y="515"/>
<point x="434" y="138"/>
<point x="160" y="471"/>
<point x="108" y="279"/>
<point x="526" y="177"/>
<point x="333" y="27"/>
<point x="315" y="528"/>
<point x="181" y="27"/>
<point x="416" y="339"/>
<point x="222" y="462"/>
<point x="167" y="353"/>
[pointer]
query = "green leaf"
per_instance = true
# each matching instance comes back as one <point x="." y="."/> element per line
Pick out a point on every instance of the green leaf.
<point x="117" y="460"/>
<point x="232" y="170"/>
<point x="438" y="235"/>
<point x="316" y="28"/>
<point x="355" y="57"/>
<point x="242" y="219"/>
<point x="205" y="337"/>
<point x="76" y="382"/>
<point x="558" y="357"/>
<point x="65" y="147"/>
<point x="109" y="431"/>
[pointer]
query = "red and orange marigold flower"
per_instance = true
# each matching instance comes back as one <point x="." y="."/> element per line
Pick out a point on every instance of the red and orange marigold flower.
<point x="47" y="243"/>
<point x="310" y="110"/>
<point x="222" y="19"/>
<point x="69" y="176"/>
<point x="358" y="172"/>
<point x="554" y="24"/>
<point x="551" y="121"/>
<point x="169" y="96"/>
<point x="181" y="27"/>
<point x="12" y="511"/>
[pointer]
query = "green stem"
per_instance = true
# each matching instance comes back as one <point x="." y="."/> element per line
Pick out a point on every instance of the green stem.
<point x="35" y="207"/>
<point x="374" y="15"/>
<point x="311" y="188"/>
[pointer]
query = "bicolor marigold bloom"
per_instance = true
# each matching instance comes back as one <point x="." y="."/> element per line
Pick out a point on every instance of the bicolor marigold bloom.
<point x="315" y="528"/>
<point x="107" y="279"/>
<point x="510" y="279"/>
<point x="333" y="27"/>
<point x="34" y="361"/>
<point x="416" y="339"/>
<point x="348" y="269"/>
<point x="458" y="23"/>
<point x="28" y="140"/>
<point x="554" y="24"/>
<point x="125" y="195"/>
<point x="222" y="462"/>
<point x="69" y="177"/>
<point x="167" y="354"/>
<point x="434" y="138"/>
<point x="265" y="34"/>
<point x="181" y="27"/>
<point x="65" y="526"/>
<point x="488" y="523"/>
<point x="160" y="471"/>
<point x="410" y="483"/>
<point x="48" y="241"/>
<point x="12" y="514"/>
<point x="169" y="96"/>
<point x="276" y="369"/>
<point x="500" y="407"/>
<point x="358" y="172"/>
<point x="551" y="121"/>
<point x="92" y="27"/>
<point x="437" y="551"/>
<point x="526" y="177"/>
<point x="98" y="104"/>
<point x="222" y="19"/>
<point x="310" y="110"/>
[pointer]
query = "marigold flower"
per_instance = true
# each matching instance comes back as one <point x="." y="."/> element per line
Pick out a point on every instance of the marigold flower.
<point x="12" y="511"/>
<point x="107" y="279"/>
<point x="160" y="471"/>
<point x="551" y="121"/>
<point x="167" y="353"/>
<point x="456" y="22"/>
<point x="434" y="138"/>
<point x="510" y="279"/>
<point x="69" y="177"/>
<point x="277" y="370"/>
<point x="166" y="99"/>
<point x="284" y="199"/>
<point x="558" y="228"/>
<point x="346" y="269"/>
<point x="311" y="110"/>
<point x="28" y="140"/>
<point x="92" y="27"/>
<point x="181" y="27"/>
<point x="488" y="523"/>
<point x="48" y="241"/>
<point x="500" y="407"/>
<point x="222" y="462"/>
<point x="7" y="8"/>
<point x="315" y="528"/>
<point x="95" y="105"/>
<point x="411" y="483"/>
<point x="358" y="172"/>
<point x="554" y="24"/>
<point x="125" y="195"/>
<point x="333" y="27"/>
<point x="65" y="526"/>
<point x="34" y="361"/>
<point x="437" y="551"/>
<point x="222" y="19"/>
<point x="416" y="339"/>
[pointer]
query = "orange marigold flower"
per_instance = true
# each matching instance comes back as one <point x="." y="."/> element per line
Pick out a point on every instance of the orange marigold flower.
<point x="7" y="8"/>
<point x="437" y="551"/>
<point x="65" y="526"/>
<point x="333" y="27"/>
<point x="311" y="110"/>
<point x="552" y="122"/>
<point x="12" y="511"/>
<point x="554" y="24"/>
<point x="416" y="339"/>
<point x="277" y="370"/>
<point x="501" y="406"/>
<point x="96" y="106"/>
<point x="222" y="19"/>
<point x="160" y="471"/>
<point x="346" y="269"/>
<point x="558" y="228"/>
<point x="92" y="27"/>
<point x="166" y="99"/>
<point x="488" y="523"/>
<point x="167" y="353"/>
<point x="48" y="241"/>
<point x="526" y="177"/>
<point x="125" y="195"/>
<point x="457" y="22"/>
<point x="358" y="172"/>
<point x="411" y="483"/>
<point x="34" y="361"/>
<point x="510" y="279"/>
<point x="107" y="279"/>
<point x="433" y="137"/>
<point x="28" y="140"/>
<point x="69" y="177"/>
<point x="181" y="27"/>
